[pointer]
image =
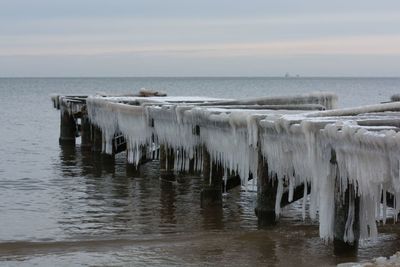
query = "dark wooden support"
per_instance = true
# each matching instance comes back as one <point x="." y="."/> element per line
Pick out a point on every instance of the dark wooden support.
<point x="167" y="160"/>
<point x="67" y="128"/>
<point x="346" y="213"/>
<point x="233" y="180"/>
<point x="197" y="152"/>
<point x="119" y="144"/>
<point x="86" y="132"/>
<point x="192" y="166"/>
<point x="192" y="163"/>
<point x="131" y="169"/>
<point x="143" y="157"/>
<point x="106" y="161"/>
<point x="343" y="208"/>
<point x="266" y="194"/>
<point x="298" y="193"/>
<point x="101" y="161"/>
<point x="163" y="158"/>
<point x="97" y="139"/>
<point x="211" y="194"/>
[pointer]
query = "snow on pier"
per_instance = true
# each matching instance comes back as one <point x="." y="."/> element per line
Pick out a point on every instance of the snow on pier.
<point x="346" y="157"/>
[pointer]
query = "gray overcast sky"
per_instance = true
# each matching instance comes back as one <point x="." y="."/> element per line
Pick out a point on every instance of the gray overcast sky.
<point x="199" y="38"/>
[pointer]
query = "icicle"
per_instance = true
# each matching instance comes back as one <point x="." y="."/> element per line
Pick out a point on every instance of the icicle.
<point x="349" y="233"/>
<point x="225" y="179"/>
<point x="211" y="170"/>
<point x="314" y="199"/>
<point x="378" y="204"/>
<point x="384" y="204"/>
<point x="137" y="156"/>
<point x="278" y="200"/>
<point x="291" y="188"/>
<point x="303" y="207"/>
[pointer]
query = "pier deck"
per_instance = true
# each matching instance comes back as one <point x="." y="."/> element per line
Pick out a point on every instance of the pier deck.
<point x="345" y="160"/>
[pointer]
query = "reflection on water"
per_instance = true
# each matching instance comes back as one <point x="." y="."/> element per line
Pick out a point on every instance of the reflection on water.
<point x="111" y="214"/>
<point x="140" y="219"/>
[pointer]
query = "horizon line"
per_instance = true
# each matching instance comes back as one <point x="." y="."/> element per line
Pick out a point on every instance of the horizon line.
<point x="200" y="76"/>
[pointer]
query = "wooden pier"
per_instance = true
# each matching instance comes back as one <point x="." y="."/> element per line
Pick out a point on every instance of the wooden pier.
<point x="346" y="162"/>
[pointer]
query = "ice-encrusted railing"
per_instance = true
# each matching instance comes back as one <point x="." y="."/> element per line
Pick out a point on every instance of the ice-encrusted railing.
<point x="229" y="138"/>
<point x="70" y="104"/>
<point x="223" y="135"/>
<point x="172" y="131"/>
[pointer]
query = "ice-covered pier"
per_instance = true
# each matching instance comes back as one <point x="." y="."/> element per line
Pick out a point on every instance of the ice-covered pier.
<point x="345" y="161"/>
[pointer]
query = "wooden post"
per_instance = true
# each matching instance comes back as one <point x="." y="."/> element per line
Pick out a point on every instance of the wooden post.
<point x="211" y="194"/>
<point x="97" y="139"/>
<point x="167" y="163"/>
<point x="233" y="180"/>
<point x="346" y="211"/>
<point x="191" y="166"/>
<point x="86" y="131"/>
<point x="67" y="128"/>
<point x="198" y="150"/>
<point x="131" y="169"/>
<point x="347" y="208"/>
<point x="163" y="158"/>
<point x="266" y="194"/>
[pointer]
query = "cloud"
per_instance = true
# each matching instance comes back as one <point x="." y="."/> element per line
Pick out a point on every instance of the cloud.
<point x="374" y="45"/>
<point x="195" y="31"/>
<point x="375" y="33"/>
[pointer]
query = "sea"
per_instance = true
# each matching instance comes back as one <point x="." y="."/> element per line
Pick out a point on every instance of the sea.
<point x="60" y="206"/>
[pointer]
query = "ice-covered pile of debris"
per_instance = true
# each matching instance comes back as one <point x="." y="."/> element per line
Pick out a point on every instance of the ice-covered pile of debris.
<point x="376" y="262"/>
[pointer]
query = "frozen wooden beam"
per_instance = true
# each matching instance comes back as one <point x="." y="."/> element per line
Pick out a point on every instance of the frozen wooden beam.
<point x="394" y="106"/>
<point x="326" y="99"/>
<point x="272" y="107"/>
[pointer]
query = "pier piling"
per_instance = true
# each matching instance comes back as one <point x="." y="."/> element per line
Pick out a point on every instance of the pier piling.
<point x="346" y="214"/>
<point x="167" y="159"/>
<point x="86" y="132"/>
<point x="97" y="139"/>
<point x="67" y="128"/>
<point x="211" y="194"/>
<point x="266" y="194"/>
<point x="346" y="217"/>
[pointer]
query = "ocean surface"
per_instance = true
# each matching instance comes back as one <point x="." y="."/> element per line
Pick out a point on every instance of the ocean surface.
<point x="60" y="206"/>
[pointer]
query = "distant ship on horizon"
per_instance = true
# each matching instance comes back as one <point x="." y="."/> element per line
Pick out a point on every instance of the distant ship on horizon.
<point x="287" y="75"/>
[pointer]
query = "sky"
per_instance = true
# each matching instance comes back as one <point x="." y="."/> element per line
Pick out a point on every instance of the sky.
<point x="77" y="38"/>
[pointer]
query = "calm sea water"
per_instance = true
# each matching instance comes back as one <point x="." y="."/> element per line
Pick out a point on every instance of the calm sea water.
<point x="63" y="207"/>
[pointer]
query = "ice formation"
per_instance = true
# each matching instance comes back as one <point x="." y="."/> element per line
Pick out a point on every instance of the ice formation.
<point x="114" y="118"/>
<point x="68" y="105"/>
<point x="393" y="260"/>
<point x="328" y="100"/>
<point x="297" y="145"/>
